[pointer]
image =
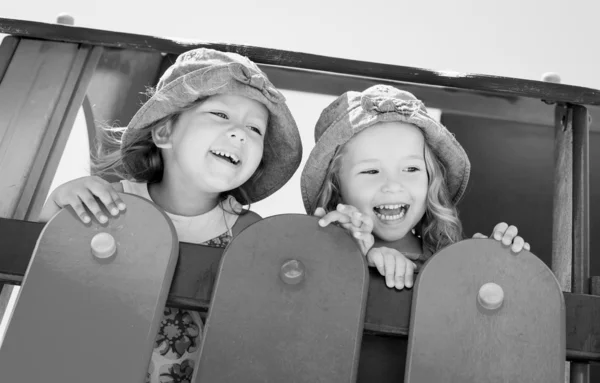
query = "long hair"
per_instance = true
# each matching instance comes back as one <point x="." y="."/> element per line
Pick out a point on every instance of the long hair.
<point x="440" y="225"/>
<point x="140" y="159"/>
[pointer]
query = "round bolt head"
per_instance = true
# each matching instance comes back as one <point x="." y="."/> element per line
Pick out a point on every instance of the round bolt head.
<point x="103" y="246"/>
<point x="292" y="272"/>
<point x="490" y="296"/>
<point x="551" y="77"/>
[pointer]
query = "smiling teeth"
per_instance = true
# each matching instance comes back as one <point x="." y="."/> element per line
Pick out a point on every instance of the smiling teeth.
<point x="391" y="217"/>
<point x="390" y="206"/>
<point x="233" y="157"/>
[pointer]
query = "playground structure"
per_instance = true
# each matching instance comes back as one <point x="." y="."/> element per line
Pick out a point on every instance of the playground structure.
<point x="72" y="64"/>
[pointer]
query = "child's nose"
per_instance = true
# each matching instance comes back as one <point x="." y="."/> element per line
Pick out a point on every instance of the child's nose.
<point x="391" y="186"/>
<point x="237" y="133"/>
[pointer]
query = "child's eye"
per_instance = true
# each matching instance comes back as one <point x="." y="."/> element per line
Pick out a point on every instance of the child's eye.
<point x="221" y="115"/>
<point x="412" y="169"/>
<point x="255" y="129"/>
<point x="372" y="171"/>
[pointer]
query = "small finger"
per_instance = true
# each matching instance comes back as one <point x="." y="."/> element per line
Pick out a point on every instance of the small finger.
<point x="526" y="246"/>
<point x="517" y="245"/>
<point x="106" y="194"/>
<point x="499" y="230"/>
<point x="400" y="272"/>
<point x="80" y="211"/>
<point x="90" y="202"/>
<point x="509" y="235"/>
<point x="377" y="259"/>
<point x="479" y="236"/>
<point x="320" y="212"/>
<point x="334" y="216"/>
<point x="118" y="201"/>
<point x="356" y="219"/>
<point x="410" y="274"/>
<point x="390" y="269"/>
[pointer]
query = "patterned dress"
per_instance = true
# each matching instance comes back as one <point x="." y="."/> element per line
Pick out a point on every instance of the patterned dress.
<point x="177" y="344"/>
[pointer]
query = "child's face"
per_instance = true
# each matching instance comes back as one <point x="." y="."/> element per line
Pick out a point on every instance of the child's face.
<point x="383" y="175"/>
<point x="218" y="145"/>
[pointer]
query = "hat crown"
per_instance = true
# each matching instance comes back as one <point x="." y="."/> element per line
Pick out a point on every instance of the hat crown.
<point x="203" y="58"/>
<point x="374" y="100"/>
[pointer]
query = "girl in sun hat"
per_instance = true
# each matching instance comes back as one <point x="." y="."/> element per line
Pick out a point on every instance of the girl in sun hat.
<point x="214" y="136"/>
<point x="389" y="173"/>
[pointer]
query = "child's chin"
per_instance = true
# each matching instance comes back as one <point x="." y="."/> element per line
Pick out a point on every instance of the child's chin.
<point x="389" y="236"/>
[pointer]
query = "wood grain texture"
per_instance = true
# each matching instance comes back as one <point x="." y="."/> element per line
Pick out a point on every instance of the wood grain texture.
<point x="303" y="61"/>
<point x="453" y="339"/>
<point x="562" y="211"/>
<point x="261" y="329"/>
<point x="78" y="318"/>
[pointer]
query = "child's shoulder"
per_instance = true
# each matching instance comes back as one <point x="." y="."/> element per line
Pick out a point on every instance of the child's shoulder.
<point x="244" y="220"/>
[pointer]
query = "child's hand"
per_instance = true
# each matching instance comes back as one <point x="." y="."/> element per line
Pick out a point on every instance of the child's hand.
<point x="398" y="270"/>
<point x="508" y="235"/>
<point x="359" y="225"/>
<point x="82" y="191"/>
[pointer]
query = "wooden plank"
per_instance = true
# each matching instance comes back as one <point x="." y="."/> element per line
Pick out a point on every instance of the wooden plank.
<point x="562" y="226"/>
<point x="92" y="314"/>
<point x="57" y="133"/>
<point x="581" y="201"/>
<point x="580" y="283"/>
<point x="30" y="93"/>
<point x="450" y="100"/>
<point x="8" y="46"/>
<point x="501" y="319"/>
<point x="303" y="61"/>
<point x="387" y="312"/>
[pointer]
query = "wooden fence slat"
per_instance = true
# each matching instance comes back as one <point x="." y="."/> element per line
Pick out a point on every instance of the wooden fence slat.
<point x="387" y="311"/>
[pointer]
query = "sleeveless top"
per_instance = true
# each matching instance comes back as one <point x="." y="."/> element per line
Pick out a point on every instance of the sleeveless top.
<point x="177" y="344"/>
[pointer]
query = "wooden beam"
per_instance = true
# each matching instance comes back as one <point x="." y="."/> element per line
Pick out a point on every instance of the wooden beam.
<point x="303" y="61"/>
<point x="452" y="101"/>
<point x="387" y="312"/>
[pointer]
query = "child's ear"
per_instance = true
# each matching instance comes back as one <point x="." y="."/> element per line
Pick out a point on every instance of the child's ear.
<point x="161" y="135"/>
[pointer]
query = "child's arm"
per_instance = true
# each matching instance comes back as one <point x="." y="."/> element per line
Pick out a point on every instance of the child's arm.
<point x="507" y="235"/>
<point x="81" y="193"/>
<point x="350" y="218"/>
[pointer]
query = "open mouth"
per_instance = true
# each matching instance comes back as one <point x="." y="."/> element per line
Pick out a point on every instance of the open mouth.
<point x="226" y="156"/>
<point x="391" y="212"/>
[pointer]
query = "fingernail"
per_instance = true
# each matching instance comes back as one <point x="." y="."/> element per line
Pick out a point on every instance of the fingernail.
<point x="114" y="211"/>
<point x="122" y="206"/>
<point x="321" y="222"/>
<point x="86" y="219"/>
<point x="103" y="219"/>
<point x="356" y="234"/>
<point x="497" y="236"/>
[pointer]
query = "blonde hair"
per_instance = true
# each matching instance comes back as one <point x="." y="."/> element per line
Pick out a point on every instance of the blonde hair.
<point x="140" y="159"/>
<point x="440" y="225"/>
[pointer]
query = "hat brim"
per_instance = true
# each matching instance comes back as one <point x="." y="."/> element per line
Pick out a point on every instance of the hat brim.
<point x="282" y="148"/>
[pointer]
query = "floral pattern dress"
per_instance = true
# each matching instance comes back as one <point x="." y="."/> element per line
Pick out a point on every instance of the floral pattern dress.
<point x="177" y="344"/>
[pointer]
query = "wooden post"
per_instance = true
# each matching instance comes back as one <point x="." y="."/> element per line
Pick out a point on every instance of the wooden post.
<point x="43" y="85"/>
<point x="580" y="372"/>
<point x="562" y="250"/>
<point x="562" y="246"/>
